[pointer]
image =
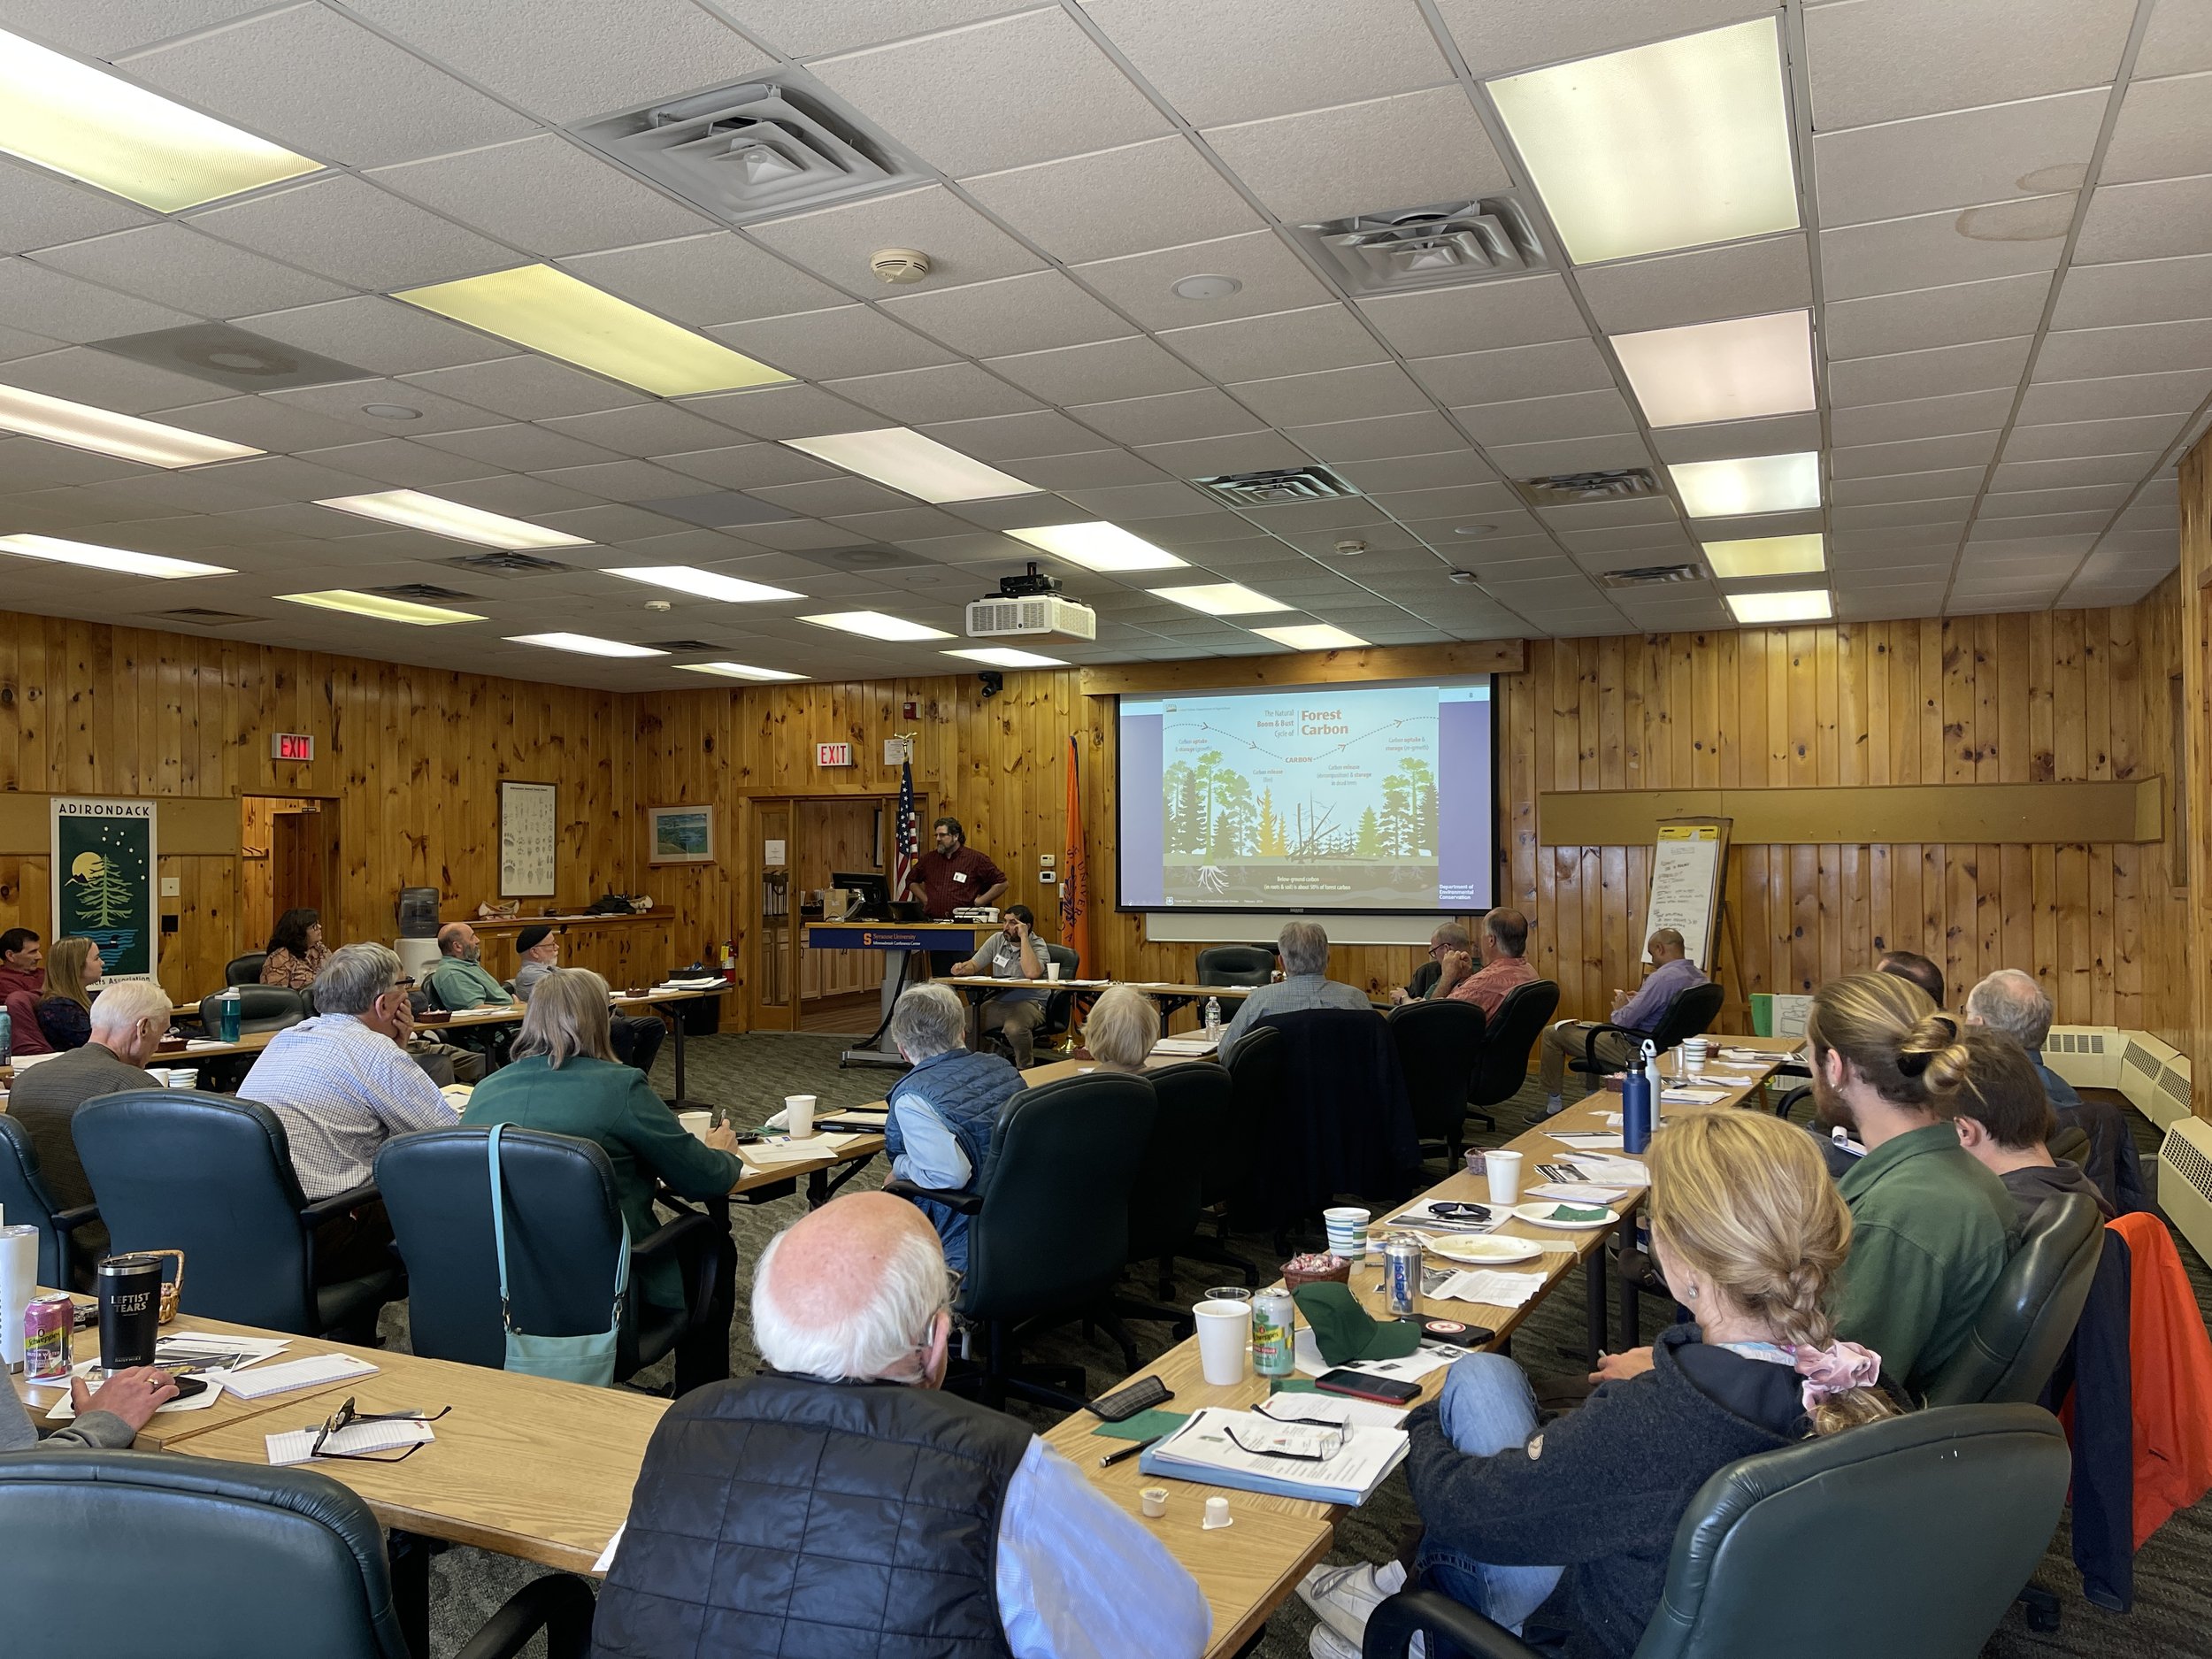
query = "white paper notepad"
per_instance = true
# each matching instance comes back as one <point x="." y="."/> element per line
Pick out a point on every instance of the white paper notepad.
<point x="296" y="1446"/>
<point x="315" y="1372"/>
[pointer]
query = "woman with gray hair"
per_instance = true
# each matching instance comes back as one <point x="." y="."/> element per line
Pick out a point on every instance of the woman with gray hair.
<point x="564" y="1079"/>
<point x="1123" y="1025"/>
<point x="938" y="1131"/>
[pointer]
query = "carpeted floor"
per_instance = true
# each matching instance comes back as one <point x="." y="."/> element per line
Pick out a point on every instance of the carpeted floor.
<point x="750" y="1075"/>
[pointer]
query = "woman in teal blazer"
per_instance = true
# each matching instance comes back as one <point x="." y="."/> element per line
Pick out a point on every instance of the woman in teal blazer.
<point x="564" y="1079"/>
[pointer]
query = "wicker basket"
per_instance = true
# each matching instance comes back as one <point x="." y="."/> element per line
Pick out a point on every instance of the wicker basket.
<point x="1339" y="1273"/>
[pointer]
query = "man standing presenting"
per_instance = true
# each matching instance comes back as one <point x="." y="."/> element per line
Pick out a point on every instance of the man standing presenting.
<point x="1672" y="973"/>
<point x="953" y="875"/>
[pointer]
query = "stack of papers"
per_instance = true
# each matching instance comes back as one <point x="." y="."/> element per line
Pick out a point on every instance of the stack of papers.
<point x="1422" y="1216"/>
<point x="296" y="1446"/>
<point x="1254" y="1451"/>
<point x="1188" y="1047"/>
<point x="1306" y="1356"/>
<point x="1691" y="1096"/>
<point x="1486" y="1285"/>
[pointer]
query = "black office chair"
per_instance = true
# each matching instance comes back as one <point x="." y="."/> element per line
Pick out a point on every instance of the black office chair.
<point x="244" y="970"/>
<point x="564" y="1227"/>
<point x="281" y="1562"/>
<point x="260" y="1007"/>
<point x="211" y="1175"/>
<point x="2069" y="1145"/>
<point x="1512" y="1031"/>
<point x="1050" y="1228"/>
<point x="63" y="1261"/>
<point x="1341" y="1121"/>
<point x="1425" y="979"/>
<point x="1256" y="1068"/>
<point x="1691" y="1014"/>
<point x="1928" y="1525"/>
<point x="2029" y="1316"/>
<point x="1236" y="965"/>
<point x="1197" y="1105"/>
<point x="1440" y="1045"/>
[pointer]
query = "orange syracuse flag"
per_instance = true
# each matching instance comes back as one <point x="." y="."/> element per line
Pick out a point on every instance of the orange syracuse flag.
<point x="1075" y="876"/>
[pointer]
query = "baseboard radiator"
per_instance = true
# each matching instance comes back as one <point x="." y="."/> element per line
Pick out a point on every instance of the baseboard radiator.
<point x="2184" y="1181"/>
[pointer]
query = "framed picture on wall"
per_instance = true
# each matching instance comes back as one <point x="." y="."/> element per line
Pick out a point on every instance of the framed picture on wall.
<point x="679" y="835"/>
<point x="528" y="838"/>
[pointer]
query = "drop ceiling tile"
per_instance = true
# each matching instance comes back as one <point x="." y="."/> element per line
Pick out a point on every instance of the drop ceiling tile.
<point x="15" y="343"/>
<point x="1380" y="389"/>
<point x="1140" y="500"/>
<point x="1920" y="417"/>
<point x="29" y="466"/>
<point x="37" y="211"/>
<point x="808" y="28"/>
<point x="1205" y="413"/>
<point x="747" y="466"/>
<point x="1999" y="239"/>
<point x="1393" y="152"/>
<point x="380" y="335"/>
<point x="1477" y="316"/>
<point x="1598" y="414"/>
<point x="1048" y="91"/>
<point x="641" y="429"/>
<point x="1607" y="514"/>
<point x="525" y="389"/>
<point x="2164" y="131"/>
<point x="1129" y="200"/>
<point x="2037" y="147"/>
<point x="1031" y="312"/>
<point x="576" y="57"/>
<point x="1379" y="439"/>
<point x="1515" y="372"/>
<point x="1013" y="437"/>
<point x="518" y="446"/>
<point x="957" y="391"/>
<point x="2067" y="440"/>
<point x="702" y="280"/>
<point x="2148" y="291"/>
<point x="2142" y="348"/>
<point x="836" y="242"/>
<point x="1317" y="52"/>
<point x="826" y="495"/>
<point x="1704" y="285"/>
<point x="262" y="422"/>
<point x="2102" y="469"/>
<point x="1885" y="60"/>
<point x="2176" y="392"/>
<point x="1500" y="34"/>
<point x="1273" y="279"/>
<point x="2103" y="499"/>
<point x="106" y="382"/>
<point x="2179" y="39"/>
<point x="48" y="302"/>
<point x="1951" y="483"/>
<point x="1568" y="454"/>
<point x="1446" y="469"/>
<point x="1133" y="367"/>
<point x="844" y="340"/>
<point x="174" y="266"/>
<point x="1211" y="457"/>
<point x="1093" y="469"/>
<point x="545" y="195"/>
<point x="1289" y="342"/>
<point x="347" y="229"/>
<point x="1888" y="323"/>
<point x="2146" y="221"/>
<point x="1984" y="366"/>
<point x="1950" y="513"/>
<point x="1916" y="454"/>
<point x="297" y="75"/>
<point x="1299" y="518"/>
<point x="1774" y="435"/>
<point x="344" y="403"/>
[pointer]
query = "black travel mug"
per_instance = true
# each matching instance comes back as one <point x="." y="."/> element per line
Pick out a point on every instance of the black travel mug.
<point x="130" y="1311"/>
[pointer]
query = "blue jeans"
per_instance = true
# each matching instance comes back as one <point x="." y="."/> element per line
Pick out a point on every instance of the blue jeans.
<point x="1487" y="1408"/>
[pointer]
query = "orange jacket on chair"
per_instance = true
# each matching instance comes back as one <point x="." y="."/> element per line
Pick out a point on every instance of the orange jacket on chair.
<point x="2170" y="1366"/>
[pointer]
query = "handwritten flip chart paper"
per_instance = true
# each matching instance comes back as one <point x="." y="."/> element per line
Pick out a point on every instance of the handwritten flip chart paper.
<point x="1685" y="886"/>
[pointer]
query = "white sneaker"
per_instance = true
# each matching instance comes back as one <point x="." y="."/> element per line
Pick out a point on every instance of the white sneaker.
<point x="1343" y="1597"/>
<point x="1323" y="1643"/>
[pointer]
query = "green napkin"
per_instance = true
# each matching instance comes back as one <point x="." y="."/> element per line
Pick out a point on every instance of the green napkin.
<point x="1569" y="1212"/>
<point x="1144" y="1426"/>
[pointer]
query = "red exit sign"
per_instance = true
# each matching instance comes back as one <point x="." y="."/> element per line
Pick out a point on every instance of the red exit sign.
<point x="832" y="754"/>
<point x="291" y="746"/>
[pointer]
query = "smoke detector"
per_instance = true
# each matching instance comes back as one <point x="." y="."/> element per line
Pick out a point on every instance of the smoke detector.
<point x="899" y="265"/>
<point x="1350" y="548"/>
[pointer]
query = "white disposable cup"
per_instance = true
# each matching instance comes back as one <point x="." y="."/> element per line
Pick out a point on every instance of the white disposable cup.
<point x="1155" y="1500"/>
<point x="1695" y="1052"/>
<point x="799" y="1116"/>
<point x="696" y="1124"/>
<point x="1052" y="971"/>
<point x="1225" y="1339"/>
<point x="1348" y="1231"/>
<point x="1504" y="1170"/>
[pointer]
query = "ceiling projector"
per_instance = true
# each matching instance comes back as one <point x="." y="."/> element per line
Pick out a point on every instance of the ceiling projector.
<point x="1029" y="605"/>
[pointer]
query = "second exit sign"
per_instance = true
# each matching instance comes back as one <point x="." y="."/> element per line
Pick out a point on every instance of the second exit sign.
<point x="291" y="746"/>
<point x="832" y="754"/>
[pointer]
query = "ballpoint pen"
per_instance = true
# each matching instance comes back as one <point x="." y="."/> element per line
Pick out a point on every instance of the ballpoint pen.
<point x="1130" y="1450"/>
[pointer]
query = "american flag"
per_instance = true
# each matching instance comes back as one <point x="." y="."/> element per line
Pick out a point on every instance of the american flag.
<point x="910" y="834"/>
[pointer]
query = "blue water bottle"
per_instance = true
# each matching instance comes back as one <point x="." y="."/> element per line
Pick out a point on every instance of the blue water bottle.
<point x="1635" y="1109"/>
<point x="226" y="1015"/>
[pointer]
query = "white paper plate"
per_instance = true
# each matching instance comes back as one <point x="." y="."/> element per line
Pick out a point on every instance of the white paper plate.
<point x="1540" y="1216"/>
<point x="1484" y="1249"/>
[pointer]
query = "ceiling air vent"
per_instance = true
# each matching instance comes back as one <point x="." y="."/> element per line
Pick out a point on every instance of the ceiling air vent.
<point x="1444" y="243"/>
<point x="754" y="150"/>
<point x="200" y="617"/>
<point x="1650" y="575"/>
<point x="1565" y="489"/>
<point x="866" y="558"/>
<point x="686" y="645"/>
<point x="422" y="593"/>
<point x="505" y="564"/>
<point x="1279" y="487"/>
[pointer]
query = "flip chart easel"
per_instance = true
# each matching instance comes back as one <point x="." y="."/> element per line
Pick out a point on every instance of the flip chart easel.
<point x="1689" y="883"/>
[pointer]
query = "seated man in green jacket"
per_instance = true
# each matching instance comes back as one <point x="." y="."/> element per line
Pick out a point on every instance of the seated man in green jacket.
<point x="460" y="979"/>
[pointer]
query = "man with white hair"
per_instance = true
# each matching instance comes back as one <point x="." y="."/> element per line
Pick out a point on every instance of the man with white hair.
<point x="2011" y="1001"/>
<point x="1305" y="984"/>
<point x="938" y="1131"/>
<point x="841" y="1502"/>
<point x="129" y="1019"/>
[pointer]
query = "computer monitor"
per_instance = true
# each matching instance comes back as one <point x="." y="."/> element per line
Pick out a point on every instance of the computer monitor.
<point x="874" y="891"/>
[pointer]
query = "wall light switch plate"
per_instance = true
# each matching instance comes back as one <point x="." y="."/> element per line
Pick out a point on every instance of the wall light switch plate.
<point x="171" y="887"/>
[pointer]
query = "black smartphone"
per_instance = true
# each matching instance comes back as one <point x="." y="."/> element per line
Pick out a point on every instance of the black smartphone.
<point x="1365" y="1385"/>
<point x="1455" y="1333"/>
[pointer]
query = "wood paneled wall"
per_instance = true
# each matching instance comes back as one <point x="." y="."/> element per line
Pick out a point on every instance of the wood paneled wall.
<point x="2194" y="645"/>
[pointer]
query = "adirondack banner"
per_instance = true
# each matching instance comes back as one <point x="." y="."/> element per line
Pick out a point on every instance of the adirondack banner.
<point x="103" y="872"/>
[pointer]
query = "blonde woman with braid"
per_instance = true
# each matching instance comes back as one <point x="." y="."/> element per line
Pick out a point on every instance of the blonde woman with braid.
<point x="1579" y="1519"/>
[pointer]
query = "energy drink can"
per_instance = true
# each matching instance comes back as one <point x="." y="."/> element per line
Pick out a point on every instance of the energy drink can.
<point x="47" y="1323"/>
<point x="1401" y="1275"/>
<point x="1273" y="1315"/>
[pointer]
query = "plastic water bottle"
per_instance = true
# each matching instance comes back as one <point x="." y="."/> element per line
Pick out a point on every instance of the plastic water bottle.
<point x="7" y="1035"/>
<point x="1213" y="1017"/>
<point x="226" y="1015"/>
<point x="1658" y="1086"/>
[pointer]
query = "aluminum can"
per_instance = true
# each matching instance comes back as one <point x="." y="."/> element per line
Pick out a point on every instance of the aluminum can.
<point x="1401" y="1275"/>
<point x="47" y="1323"/>
<point x="1274" y="1316"/>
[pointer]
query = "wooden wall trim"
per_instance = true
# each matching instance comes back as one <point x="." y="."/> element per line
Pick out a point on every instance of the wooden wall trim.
<point x="204" y="826"/>
<point x="1310" y="668"/>
<point x="2028" y="813"/>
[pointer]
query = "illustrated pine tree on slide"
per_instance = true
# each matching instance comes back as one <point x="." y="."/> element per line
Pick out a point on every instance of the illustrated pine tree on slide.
<point x="104" y="896"/>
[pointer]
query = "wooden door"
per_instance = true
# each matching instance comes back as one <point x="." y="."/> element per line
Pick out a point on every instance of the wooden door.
<point x="300" y="860"/>
<point x="771" y="983"/>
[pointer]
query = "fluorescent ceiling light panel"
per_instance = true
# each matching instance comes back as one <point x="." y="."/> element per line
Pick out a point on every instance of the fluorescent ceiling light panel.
<point x="873" y="625"/>
<point x="115" y="560"/>
<point x="685" y="579"/>
<point x="1098" y="546"/>
<point x="1756" y="483"/>
<point x="1767" y="556"/>
<point x="584" y="644"/>
<point x="906" y="460"/>
<point x="1006" y="657"/>
<point x="1807" y="605"/>
<point x="1738" y="369"/>
<point x="382" y="608"/>
<point x="549" y="311"/>
<point x="98" y="128"/>
<point x="1673" y="145"/>
<point x="737" y="670"/>
<point x="1314" y="636"/>
<point x="127" y="438"/>
<point x="412" y="510"/>
<point x="1221" y="599"/>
